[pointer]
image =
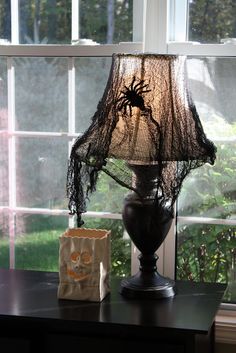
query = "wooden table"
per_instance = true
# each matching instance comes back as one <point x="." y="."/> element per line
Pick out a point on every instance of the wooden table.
<point x="32" y="319"/>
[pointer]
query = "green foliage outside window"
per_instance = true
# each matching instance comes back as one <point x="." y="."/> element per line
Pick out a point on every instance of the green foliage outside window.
<point x="212" y="20"/>
<point x="206" y="252"/>
<point x="109" y="198"/>
<point x="102" y="25"/>
<point x="49" y="21"/>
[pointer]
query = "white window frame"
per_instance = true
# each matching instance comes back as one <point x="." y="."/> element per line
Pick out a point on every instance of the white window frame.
<point x="162" y="31"/>
<point x="70" y="52"/>
<point x="165" y="20"/>
<point x="177" y="44"/>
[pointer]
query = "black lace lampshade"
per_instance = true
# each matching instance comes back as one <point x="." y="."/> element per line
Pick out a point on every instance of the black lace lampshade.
<point x="146" y="134"/>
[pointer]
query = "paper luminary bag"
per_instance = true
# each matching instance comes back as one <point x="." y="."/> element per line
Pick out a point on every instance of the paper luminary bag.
<point x="84" y="264"/>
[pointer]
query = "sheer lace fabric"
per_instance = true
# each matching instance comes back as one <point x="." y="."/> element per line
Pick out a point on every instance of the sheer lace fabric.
<point x="146" y="116"/>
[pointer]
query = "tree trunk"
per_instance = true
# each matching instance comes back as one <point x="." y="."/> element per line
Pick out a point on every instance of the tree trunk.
<point x="110" y="21"/>
<point x="7" y="21"/>
<point x="37" y="22"/>
<point x="52" y="21"/>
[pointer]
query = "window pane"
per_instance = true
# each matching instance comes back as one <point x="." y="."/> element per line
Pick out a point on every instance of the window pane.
<point x="4" y="195"/>
<point x="205" y="252"/>
<point x="41" y="172"/>
<point x="211" y="191"/>
<point x="3" y="136"/>
<point x="109" y="195"/>
<point x="211" y="21"/>
<point x="5" y="21"/>
<point x="4" y="239"/>
<point x="45" y="22"/>
<point x="41" y="94"/>
<point x="91" y="79"/>
<point x="106" y="21"/>
<point x="120" y="244"/>
<point x="37" y="243"/>
<point x="3" y="93"/>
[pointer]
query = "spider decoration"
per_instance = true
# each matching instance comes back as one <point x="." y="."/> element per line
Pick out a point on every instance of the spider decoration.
<point x="132" y="96"/>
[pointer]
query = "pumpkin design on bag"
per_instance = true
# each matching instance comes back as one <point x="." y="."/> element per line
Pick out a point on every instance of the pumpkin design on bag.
<point x="80" y="265"/>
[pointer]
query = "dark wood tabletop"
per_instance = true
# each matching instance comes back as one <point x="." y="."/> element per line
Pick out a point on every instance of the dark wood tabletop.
<point x="33" y="295"/>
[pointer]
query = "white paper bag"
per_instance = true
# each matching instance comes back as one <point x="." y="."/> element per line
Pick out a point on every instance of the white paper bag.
<point x="84" y="264"/>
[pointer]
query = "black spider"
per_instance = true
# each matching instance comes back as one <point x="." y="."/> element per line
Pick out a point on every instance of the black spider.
<point x="132" y="96"/>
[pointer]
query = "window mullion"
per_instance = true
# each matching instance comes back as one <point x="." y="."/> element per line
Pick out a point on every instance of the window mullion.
<point x="59" y="212"/>
<point x="71" y="114"/>
<point x="178" y="23"/>
<point x="68" y="50"/>
<point x="168" y="254"/>
<point x="41" y="134"/>
<point x="74" y="20"/>
<point x="15" y="21"/>
<point x="205" y="220"/>
<point x="197" y="49"/>
<point x="156" y="26"/>
<point x="71" y="95"/>
<point x="138" y="20"/>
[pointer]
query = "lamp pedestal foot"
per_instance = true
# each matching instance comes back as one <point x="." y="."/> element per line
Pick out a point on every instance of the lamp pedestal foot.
<point x="132" y="288"/>
<point x="147" y="283"/>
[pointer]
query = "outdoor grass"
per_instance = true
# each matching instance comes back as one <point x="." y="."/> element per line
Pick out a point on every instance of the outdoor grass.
<point x="34" y="251"/>
<point x="39" y="251"/>
<point x="4" y="253"/>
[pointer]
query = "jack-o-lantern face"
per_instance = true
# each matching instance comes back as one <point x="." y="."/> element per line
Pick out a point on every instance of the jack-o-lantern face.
<point x="80" y="267"/>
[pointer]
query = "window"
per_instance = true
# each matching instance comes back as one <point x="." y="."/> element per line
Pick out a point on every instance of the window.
<point x="44" y="72"/>
<point x="206" y="207"/>
<point x="205" y="31"/>
<point x="211" y="235"/>
<point x="66" y="22"/>
<point x="49" y="92"/>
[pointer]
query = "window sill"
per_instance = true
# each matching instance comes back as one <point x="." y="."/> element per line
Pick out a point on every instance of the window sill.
<point x="225" y="325"/>
<point x="195" y="48"/>
<point x="66" y="50"/>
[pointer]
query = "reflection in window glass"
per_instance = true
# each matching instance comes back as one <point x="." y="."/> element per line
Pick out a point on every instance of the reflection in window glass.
<point x="5" y="21"/>
<point x="91" y="78"/>
<point x="211" y="21"/>
<point x="45" y="22"/>
<point x="41" y="86"/>
<point x="106" y="21"/>
<point x="41" y="166"/>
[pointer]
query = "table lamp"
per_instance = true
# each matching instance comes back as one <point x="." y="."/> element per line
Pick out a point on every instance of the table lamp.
<point x="145" y="134"/>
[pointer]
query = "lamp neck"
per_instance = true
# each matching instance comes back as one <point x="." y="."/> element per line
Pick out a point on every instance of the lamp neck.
<point x="145" y="179"/>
